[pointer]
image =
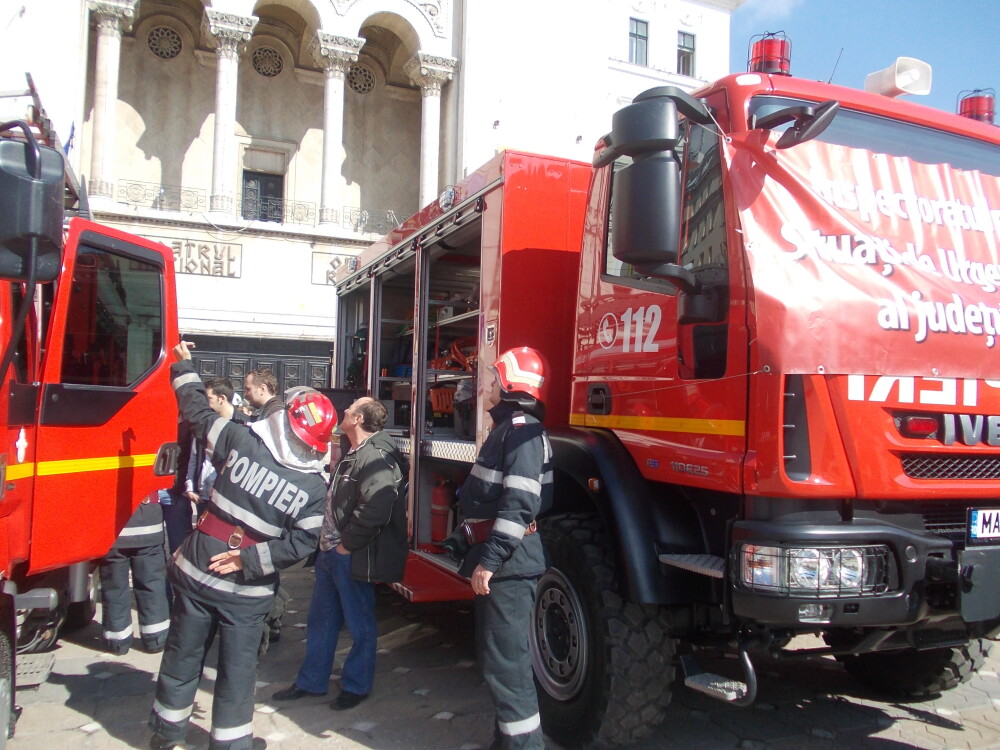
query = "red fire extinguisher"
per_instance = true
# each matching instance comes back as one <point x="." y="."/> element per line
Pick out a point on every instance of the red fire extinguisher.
<point x="441" y="498"/>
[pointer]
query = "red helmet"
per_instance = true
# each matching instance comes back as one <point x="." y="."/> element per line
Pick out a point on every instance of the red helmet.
<point x="522" y="370"/>
<point x="312" y="418"/>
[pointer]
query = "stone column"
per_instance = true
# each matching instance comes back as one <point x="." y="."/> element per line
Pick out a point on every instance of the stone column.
<point x="334" y="54"/>
<point x="113" y="17"/>
<point x="429" y="72"/>
<point x="230" y="33"/>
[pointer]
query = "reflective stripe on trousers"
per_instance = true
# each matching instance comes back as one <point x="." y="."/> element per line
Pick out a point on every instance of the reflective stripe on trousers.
<point x="193" y="626"/>
<point x="502" y="622"/>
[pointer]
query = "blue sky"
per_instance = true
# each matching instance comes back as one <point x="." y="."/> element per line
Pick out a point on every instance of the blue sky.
<point x="959" y="38"/>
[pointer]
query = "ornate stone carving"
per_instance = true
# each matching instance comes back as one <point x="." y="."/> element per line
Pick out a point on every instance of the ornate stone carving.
<point x="221" y="204"/>
<point x="228" y="30"/>
<point x="430" y="72"/>
<point x="334" y="53"/>
<point x="437" y="13"/>
<point x="113" y="16"/>
<point x="100" y="188"/>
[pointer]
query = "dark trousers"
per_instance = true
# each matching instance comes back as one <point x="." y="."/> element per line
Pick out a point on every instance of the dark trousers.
<point x="339" y="600"/>
<point x="149" y="582"/>
<point x="177" y="517"/>
<point x="192" y="628"/>
<point x="503" y="619"/>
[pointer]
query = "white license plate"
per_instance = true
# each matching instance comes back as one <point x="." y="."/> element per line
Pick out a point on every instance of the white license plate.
<point x="984" y="523"/>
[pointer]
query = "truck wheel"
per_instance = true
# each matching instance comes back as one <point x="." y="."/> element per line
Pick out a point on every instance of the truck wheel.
<point x="6" y="690"/>
<point x="603" y="666"/>
<point x="917" y="674"/>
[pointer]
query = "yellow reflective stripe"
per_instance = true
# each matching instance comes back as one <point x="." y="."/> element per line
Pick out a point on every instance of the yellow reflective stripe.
<point x="20" y="471"/>
<point x="79" y="465"/>
<point x="734" y="427"/>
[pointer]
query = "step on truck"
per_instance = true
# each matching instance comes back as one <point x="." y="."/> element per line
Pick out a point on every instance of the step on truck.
<point x="771" y="310"/>
<point x="86" y="408"/>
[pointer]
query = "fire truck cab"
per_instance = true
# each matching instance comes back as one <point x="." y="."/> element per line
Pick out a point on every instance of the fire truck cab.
<point x="772" y="311"/>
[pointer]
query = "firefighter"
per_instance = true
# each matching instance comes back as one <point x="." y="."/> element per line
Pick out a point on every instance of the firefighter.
<point x="509" y="485"/>
<point x="260" y="392"/>
<point x="264" y="514"/>
<point x="139" y="550"/>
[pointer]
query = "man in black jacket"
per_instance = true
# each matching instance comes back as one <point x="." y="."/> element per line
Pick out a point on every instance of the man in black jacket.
<point x="265" y="513"/>
<point x="362" y="542"/>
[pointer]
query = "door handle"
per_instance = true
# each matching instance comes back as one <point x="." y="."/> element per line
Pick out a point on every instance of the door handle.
<point x="598" y="398"/>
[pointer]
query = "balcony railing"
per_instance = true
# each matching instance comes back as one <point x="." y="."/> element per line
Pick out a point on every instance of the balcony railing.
<point x="178" y="198"/>
<point x="162" y="197"/>
<point x="277" y="210"/>
<point x="370" y="221"/>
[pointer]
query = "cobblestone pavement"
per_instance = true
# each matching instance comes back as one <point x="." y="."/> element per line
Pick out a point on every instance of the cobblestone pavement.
<point x="428" y="694"/>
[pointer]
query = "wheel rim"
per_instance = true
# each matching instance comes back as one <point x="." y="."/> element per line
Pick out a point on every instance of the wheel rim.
<point x="559" y="639"/>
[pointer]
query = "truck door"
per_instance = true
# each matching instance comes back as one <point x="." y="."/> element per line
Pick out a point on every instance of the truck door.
<point x="673" y="390"/>
<point x="18" y="414"/>
<point x="105" y="402"/>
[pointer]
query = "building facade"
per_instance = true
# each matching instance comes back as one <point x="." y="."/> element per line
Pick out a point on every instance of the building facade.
<point x="269" y="141"/>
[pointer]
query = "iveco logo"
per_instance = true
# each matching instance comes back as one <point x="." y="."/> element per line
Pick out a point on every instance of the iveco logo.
<point x="971" y="429"/>
<point x="607" y="331"/>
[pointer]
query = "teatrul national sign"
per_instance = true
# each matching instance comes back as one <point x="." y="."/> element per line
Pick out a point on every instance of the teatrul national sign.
<point x="869" y="263"/>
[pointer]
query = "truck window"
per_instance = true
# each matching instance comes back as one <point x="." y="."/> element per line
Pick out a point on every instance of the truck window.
<point x="114" y="325"/>
<point x="704" y="248"/>
<point x="20" y="364"/>
<point x="882" y="135"/>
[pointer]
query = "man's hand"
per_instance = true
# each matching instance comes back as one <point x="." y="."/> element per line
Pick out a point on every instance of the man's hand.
<point x="183" y="350"/>
<point x="481" y="580"/>
<point x="342" y="550"/>
<point x="226" y="562"/>
<point x="192" y="496"/>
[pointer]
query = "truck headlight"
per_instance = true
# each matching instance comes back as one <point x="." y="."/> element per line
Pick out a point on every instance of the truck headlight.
<point x="815" y="571"/>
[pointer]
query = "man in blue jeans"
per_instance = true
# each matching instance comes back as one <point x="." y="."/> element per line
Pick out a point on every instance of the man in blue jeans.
<point x="362" y="542"/>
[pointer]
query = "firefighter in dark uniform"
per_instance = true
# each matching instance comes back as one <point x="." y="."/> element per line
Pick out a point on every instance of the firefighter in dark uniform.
<point x="139" y="549"/>
<point x="510" y="484"/>
<point x="260" y="389"/>
<point x="265" y="514"/>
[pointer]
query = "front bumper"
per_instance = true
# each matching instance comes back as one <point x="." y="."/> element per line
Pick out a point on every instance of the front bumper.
<point x="928" y="578"/>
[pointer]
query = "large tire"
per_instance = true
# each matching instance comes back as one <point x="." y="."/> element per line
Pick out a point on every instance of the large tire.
<point x="603" y="666"/>
<point x="917" y="674"/>
<point x="7" y="714"/>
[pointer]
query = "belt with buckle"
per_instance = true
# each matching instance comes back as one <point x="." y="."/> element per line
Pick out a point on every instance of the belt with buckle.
<point x="479" y="531"/>
<point x="236" y="537"/>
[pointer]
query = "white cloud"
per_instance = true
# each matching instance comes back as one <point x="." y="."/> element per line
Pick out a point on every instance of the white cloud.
<point x="764" y="12"/>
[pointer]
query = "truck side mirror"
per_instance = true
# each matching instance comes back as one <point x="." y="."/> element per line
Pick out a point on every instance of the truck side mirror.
<point x="645" y="211"/>
<point x="646" y="194"/>
<point x="32" y="209"/>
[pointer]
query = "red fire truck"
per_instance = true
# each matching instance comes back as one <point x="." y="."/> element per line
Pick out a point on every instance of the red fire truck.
<point x="772" y="314"/>
<point x="86" y="313"/>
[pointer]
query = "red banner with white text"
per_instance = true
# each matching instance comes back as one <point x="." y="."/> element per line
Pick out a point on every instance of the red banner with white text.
<point x="869" y="263"/>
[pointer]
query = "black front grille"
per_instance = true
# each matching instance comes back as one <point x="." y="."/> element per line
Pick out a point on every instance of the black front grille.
<point x="952" y="466"/>
<point x="946" y="519"/>
<point x="950" y="519"/>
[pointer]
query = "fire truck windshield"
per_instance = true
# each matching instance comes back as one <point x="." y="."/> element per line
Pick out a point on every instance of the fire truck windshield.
<point x="886" y="136"/>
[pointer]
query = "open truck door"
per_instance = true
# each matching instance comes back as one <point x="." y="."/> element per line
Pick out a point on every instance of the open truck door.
<point x="105" y="402"/>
